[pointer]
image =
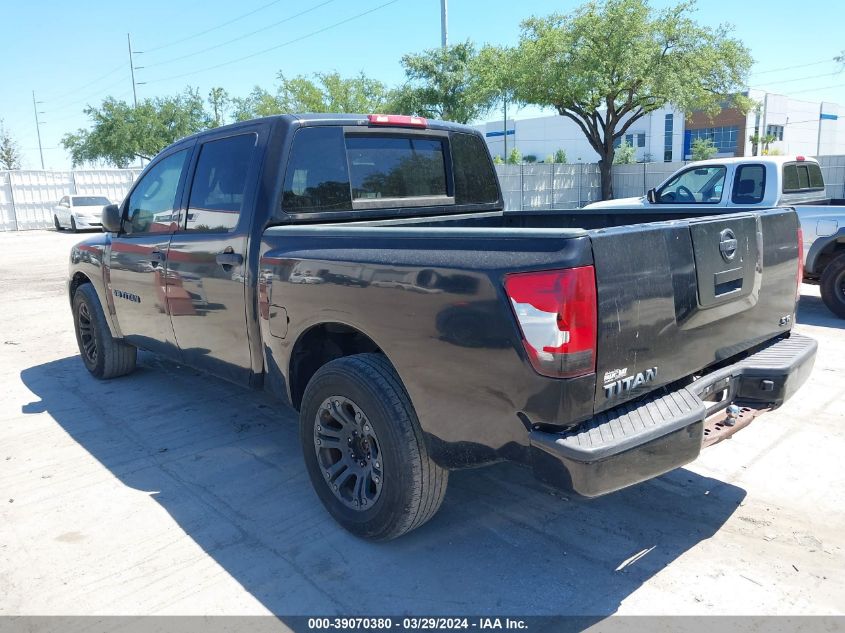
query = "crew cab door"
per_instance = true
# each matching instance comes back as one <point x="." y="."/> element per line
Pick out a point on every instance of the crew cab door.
<point x="207" y="260"/>
<point x="138" y="256"/>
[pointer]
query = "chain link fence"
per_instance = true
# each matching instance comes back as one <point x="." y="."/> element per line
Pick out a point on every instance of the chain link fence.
<point x="27" y="197"/>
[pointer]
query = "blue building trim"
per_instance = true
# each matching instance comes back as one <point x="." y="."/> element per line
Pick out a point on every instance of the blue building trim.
<point x="829" y="117"/>
<point x="510" y="133"/>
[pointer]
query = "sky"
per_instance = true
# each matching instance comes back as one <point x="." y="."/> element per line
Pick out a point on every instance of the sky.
<point x="76" y="53"/>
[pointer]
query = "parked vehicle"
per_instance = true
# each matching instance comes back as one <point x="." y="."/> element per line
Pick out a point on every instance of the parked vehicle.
<point x="362" y="269"/>
<point x="762" y="182"/>
<point x="79" y="212"/>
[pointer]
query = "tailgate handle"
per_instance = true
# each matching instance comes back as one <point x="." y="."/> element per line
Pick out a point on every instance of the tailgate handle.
<point x="727" y="281"/>
<point x="156" y="257"/>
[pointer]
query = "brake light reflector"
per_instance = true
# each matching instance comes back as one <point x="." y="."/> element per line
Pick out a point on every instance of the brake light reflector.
<point x="800" y="159"/>
<point x="557" y="315"/>
<point x="401" y="120"/>
<point x="800" y="263"/>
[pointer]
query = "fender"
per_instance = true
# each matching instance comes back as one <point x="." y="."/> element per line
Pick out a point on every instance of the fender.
<point x="818" y="247"/>
<point x="89" y="258"/>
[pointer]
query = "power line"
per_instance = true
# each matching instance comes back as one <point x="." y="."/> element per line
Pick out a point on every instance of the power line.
<point x="776" y="70"/>
<point x="78" y="89"/>
<point x="213" y="28"/>
<point x="788" y="81"/>
<point x="277" y="46"/>
<point x="236" y="39"/>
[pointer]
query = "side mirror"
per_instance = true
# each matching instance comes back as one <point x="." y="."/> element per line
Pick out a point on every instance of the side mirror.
<point x="112" y="219"/>
<point x="651" y="196"/>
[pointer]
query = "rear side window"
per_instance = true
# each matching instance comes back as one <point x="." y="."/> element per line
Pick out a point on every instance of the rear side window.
<point x="395" y="167"/>
<point x="220" y="183"/>
<point x="749" y="184"/>
<point x="475" y="182"/>
<point x="800" y="177"/>
<point x="317" y="177"/>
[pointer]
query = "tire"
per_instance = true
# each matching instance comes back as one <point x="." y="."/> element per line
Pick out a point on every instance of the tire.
<point x="56" y="223"/>
<point x="833" y="286"/>
<point x="73" y="228"/>
<point x="105" y="357"/>
<point x="401" y="487"/>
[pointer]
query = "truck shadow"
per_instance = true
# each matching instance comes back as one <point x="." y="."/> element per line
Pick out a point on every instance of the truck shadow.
<point x="813" y="311"/>
<point x="226" y="466"/>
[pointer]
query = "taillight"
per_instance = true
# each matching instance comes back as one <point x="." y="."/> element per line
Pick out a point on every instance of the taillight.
<point x="401" y="120"/>
<point x="800" y="263"/>
<point x="556" y="311"/>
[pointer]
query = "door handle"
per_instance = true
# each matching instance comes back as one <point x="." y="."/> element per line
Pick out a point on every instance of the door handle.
<point x="156" y="257"/>
<point x="229" y="258"/>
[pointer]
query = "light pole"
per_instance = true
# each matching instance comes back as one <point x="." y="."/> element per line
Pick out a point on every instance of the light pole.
<point x="444" y="26"/>
<point x="38" y="127"/>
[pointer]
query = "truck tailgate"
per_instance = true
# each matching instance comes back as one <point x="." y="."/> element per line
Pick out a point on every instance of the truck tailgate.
<point x="676" y="297"/>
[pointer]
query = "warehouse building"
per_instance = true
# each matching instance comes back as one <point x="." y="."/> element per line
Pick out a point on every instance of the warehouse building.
<point x="797" y="126"/>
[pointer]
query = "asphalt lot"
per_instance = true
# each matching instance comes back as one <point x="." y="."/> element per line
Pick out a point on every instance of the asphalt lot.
<point x="170" y="492"/>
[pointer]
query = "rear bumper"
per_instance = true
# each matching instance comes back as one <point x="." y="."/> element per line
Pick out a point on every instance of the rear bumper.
<point x="640" y="440"/>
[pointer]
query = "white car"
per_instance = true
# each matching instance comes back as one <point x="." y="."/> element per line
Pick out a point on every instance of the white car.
<point x="79" y="212"/>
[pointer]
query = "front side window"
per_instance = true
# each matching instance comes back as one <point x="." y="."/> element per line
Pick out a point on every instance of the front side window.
<point x="700" y="185"/>
<point x="395" y="167"/>
<point x="220" y="183"/>
<point x="749" y="184"/>
<point x="153" y="201"/>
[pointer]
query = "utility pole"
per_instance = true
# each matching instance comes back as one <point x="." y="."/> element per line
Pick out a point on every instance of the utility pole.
<point x="38" y="127"/>
<point x="444" y="24"/>
<point x="132" y="71"/>
<point x="505" y="130"/>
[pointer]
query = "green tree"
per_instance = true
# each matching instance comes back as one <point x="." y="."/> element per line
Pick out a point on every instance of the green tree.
<point x="445" y="83"/>
<point x="703" y="148"/>
<point x="761" y="140"/>
<point x="610" y="63"/>
<point x="560" y="156"/>
<point x="219" y="102"/>
<point x="121" y="133"/>
<point x="625" y="154"/>
<point x="322" y="92"/>
<point x="10" y="156"/>
<point x="514" y="157"/>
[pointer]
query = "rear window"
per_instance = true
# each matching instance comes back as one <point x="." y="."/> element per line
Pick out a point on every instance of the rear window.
<point x="329" y="170"/>
<point x="799" y="177"/>
<point x="395" y="167"/>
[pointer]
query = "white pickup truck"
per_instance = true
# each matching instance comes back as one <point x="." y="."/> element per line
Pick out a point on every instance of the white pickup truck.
<point x="762" y="182"/>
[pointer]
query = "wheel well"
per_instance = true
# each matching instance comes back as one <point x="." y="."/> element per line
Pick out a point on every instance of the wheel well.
<point x="828" y="254"/>
<point x="77" y="280"/>
<point x="319" y="345"/>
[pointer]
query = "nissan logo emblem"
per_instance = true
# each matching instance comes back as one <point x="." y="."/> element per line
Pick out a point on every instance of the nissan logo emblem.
<point x="727" y="245"/>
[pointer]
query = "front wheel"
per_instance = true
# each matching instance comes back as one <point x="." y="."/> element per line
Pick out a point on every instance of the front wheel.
<point x="56" y="223"/>
<point x="364" y="449"/>
<point x="103" y="356"/>
<point x="832" y="285"/>
<point x="73" y="228"/>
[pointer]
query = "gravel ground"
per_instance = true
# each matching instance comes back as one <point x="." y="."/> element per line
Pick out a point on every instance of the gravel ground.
<point x="170" y="492"/>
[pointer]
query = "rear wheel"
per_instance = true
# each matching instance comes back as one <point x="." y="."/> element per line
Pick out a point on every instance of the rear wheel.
<point x="56" y="223"/>
<point x="364" y="449"/>
<point x="103" y="356"/>
<point x="833" y="286"/>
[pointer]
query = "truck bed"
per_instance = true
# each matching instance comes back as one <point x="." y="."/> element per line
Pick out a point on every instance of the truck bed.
<point x="664" y="292"/>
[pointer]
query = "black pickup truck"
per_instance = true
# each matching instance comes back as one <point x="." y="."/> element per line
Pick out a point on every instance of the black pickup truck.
<point x="362" y="269"/>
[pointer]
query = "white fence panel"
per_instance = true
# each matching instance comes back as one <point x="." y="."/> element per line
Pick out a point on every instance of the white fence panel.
<point x="35" y="193"/>
<point x="7" y="206"/>
<point x="833" y="170"/>
<point x="111" y="183"/>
